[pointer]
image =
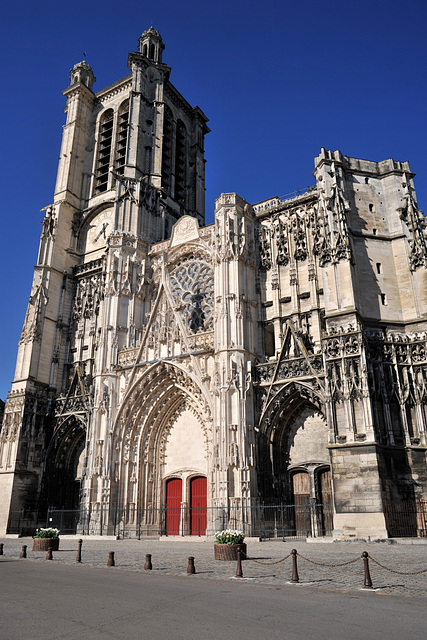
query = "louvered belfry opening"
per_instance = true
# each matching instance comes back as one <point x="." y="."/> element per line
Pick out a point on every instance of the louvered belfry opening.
<point x="180" y="156"/>
<point x="104" y="152"/>
<point x="167" y="150"/>
<point x="122" y="134"/>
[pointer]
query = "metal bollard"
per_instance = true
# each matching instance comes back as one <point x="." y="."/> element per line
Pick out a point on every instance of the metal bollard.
<point x="23" y="553"/>
<point x="190" y="567"/>
<point x="295" y="576"/>
<point x="239" y="572"/>
<point x="367" y="582"/>
<point x="79" y="551"/>
<point x="49" y="555"/>
<point x="148" y="566"/>
<point x="111" y="562"/>
<point x="1" y="548"/>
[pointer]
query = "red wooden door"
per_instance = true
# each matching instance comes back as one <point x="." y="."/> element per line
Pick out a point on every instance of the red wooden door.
<point x="173" y="506"/>
<point x="198" y="504"/>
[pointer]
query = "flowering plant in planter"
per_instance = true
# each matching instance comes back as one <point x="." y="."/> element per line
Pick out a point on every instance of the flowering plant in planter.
<point x="49" y="532"/>
<point x="229" y="536"/>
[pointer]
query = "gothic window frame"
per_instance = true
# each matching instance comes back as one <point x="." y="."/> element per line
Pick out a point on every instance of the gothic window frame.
<point x="192" y="284"/>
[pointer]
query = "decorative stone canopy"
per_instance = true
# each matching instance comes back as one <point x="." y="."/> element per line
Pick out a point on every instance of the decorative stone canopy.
<point x="82" y="72"/>
<point x="151" y="44"/>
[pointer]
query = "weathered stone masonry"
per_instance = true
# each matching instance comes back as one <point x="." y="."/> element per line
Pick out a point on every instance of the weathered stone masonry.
<point x="277" y="356"/>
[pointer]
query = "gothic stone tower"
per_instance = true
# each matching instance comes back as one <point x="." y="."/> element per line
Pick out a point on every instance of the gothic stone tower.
<point x="341" y="399"/>
<point x="131" y="165"/>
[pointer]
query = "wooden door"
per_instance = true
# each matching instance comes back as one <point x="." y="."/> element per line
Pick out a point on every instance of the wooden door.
<point x="301" y="491"/>
<point x="325" y="499"/>
<point x="173" y="506"/>
<point x="198" y="506"/>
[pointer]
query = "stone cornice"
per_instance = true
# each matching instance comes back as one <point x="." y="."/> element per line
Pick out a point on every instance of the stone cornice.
<point x="114" y="89"/>
<point x="79" y="88"/>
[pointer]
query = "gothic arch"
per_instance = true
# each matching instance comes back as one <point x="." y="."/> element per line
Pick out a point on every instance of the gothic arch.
<point x="293" y="436"/>
<point x="159" y="396"/>
<point x="289" y="400"/>
<point x="64" y="463"/>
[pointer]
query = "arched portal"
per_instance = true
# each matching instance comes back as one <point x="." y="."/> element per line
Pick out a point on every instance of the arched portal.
<point x="296" y="457"/>
<point x="65" y="460"/>
<point x="161" y="436"/>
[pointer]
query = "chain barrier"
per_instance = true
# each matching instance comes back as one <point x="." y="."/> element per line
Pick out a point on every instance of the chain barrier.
<point x="333" y="566"/>
<point x="400" y="573"/>
<point x="321" y="564"/>
<point x="265" y="563"/>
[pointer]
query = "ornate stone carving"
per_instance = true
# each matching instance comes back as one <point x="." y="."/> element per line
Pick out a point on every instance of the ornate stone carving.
<point x="89" y="294"/>
<point x="185" y="230"/>
<point x="417" y="224"/>
<point x="192" y="287"/>
<point x="264" y="247"/>
<point x="280" y="233"/>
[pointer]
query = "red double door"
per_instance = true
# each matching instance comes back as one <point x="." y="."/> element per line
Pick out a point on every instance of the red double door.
<point x="198" y="505"/>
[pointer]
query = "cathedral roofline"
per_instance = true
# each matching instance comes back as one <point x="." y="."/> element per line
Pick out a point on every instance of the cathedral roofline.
<point x="113" y="86"/>
<point x="266" y="207"/>
<point x="382" y="168"/>
<point x="183" y="103"/>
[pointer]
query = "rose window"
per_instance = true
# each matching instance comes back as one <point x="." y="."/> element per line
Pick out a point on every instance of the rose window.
<point x="192" y="287"/>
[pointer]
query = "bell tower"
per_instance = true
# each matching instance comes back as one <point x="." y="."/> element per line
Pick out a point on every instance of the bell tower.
<point x="131" y="164"/>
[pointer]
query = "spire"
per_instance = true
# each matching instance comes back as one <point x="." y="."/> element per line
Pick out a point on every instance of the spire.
<point x="151" y="44"/>
<point x="82" y="72"/>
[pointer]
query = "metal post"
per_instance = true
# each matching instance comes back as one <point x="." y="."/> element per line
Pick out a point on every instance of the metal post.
<point x="367" y="582"/>
<point x="239" y="572"/>
<point x="295" y="576"/>
<point x="1" y="548"/>
<point x="148" y="566"/>
<point x="111" y="562"/>
<point x="79" y="551"/>
<point x="190" y="567"/>
<point x="23" y="553"/>
<point x="49" y="555"/>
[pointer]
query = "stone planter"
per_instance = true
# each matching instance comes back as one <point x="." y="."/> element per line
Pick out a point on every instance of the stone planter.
<point x="43" y="544"/>
<point x="229" y="551"/>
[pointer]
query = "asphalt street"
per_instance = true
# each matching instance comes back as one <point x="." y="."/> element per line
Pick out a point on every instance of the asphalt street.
<point x="47" y="599"/>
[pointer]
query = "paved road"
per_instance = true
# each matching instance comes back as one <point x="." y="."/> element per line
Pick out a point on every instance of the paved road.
<point x="48" y="599"/>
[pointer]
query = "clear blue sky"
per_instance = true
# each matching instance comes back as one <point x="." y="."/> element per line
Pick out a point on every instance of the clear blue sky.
<point x="277" y="79"/>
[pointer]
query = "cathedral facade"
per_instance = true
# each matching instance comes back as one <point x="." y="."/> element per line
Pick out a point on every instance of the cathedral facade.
<point x="177" y="378"/>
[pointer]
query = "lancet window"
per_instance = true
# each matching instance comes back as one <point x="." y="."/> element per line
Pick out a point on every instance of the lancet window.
<point x="180" y="155"/>
<point x="167" y="149"/>
<point x="104" y="151"/>
<point x="121" y="138"/>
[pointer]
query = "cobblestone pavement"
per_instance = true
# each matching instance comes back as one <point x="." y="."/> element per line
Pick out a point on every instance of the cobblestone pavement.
<point x="170" y="557"/>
